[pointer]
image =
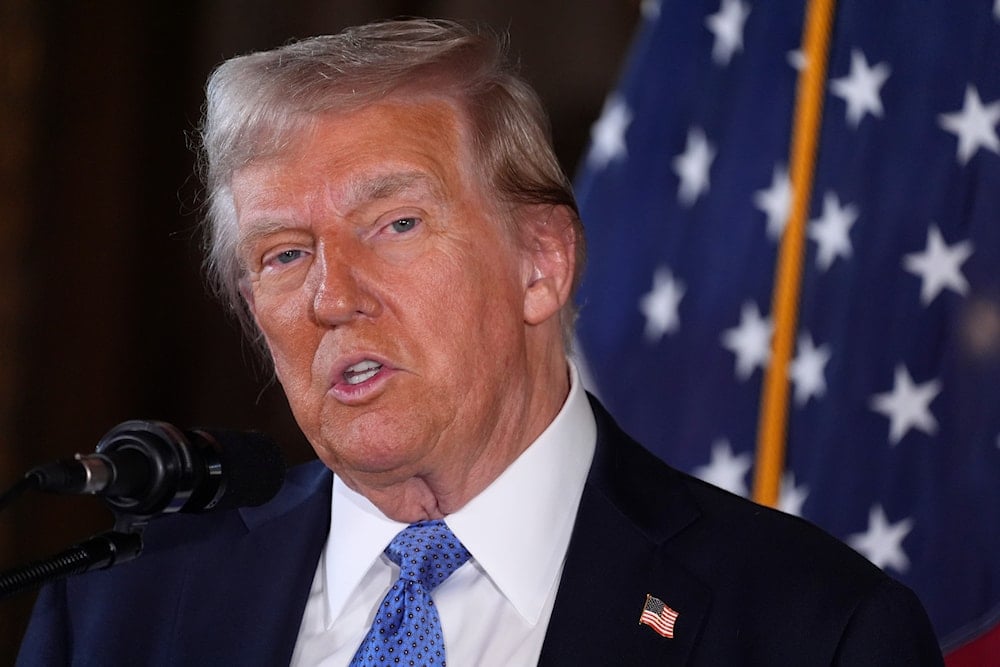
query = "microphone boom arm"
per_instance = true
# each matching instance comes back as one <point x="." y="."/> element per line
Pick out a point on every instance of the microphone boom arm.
<point x="97" y="553"/>
<point x="147" y="469"/>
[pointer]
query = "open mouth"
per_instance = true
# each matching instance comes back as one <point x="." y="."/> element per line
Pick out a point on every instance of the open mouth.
<point x="361" y="371"/>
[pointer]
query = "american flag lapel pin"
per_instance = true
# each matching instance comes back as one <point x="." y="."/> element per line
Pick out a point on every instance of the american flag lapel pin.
<point x="657" y="615"/>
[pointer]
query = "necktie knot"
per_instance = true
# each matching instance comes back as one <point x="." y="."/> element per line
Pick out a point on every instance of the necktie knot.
<point x="427" y="553"/>
<point x="407" y="628"/>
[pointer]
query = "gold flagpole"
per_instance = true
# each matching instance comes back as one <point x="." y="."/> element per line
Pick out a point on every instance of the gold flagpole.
<point x="772" y="423"/>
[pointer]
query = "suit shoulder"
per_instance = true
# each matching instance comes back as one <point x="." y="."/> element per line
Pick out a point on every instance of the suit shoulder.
<point x="725" y="533"/>
<point x="304" y="484"/>
<point x="767" y="549"/>
<point x="198" y="576"/>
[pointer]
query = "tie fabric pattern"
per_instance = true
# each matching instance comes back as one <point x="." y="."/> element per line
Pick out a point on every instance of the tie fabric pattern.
<point x="407" y="629"/>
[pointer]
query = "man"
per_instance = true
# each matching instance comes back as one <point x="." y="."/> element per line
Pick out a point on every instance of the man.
<point x="387" y="212"/>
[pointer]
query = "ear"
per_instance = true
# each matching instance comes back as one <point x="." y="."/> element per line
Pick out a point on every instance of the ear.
<point x="550" y="242"/>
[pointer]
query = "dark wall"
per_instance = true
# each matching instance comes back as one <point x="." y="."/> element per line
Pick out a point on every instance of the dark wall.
<point x="103" y="312"/>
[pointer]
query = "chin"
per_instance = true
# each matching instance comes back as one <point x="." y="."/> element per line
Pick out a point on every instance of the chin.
<point x="374" y="438"/>
<point x="366" y="452"/>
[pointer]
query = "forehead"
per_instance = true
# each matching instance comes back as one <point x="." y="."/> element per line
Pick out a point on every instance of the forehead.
<point x="379" y="150"/>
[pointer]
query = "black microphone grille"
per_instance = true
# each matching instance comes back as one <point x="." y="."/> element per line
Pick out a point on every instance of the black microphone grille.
<point x="253" y="467"/>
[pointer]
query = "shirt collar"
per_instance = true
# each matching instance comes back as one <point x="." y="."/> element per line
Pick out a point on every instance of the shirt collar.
<point x="359" y="533"/>
<point x="517" y="529"/>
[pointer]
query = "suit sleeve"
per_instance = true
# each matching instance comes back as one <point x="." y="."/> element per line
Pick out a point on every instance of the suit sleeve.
<point x="889" y="628"/>
<point x="46" y="641"/>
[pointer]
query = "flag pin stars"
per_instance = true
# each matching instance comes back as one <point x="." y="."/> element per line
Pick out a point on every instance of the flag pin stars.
<point x="657" y="615"/>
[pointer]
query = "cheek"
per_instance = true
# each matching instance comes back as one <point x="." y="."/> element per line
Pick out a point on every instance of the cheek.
<point x="476" y="312"/>
<point x="278" y="313"/>
<point x="455" y="290"/>
<point x="291" y="340"/>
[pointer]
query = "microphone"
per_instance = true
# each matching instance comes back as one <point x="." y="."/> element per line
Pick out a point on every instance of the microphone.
<point x="148" y="468"/>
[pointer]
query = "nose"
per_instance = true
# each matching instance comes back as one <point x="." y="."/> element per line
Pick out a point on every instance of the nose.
<point x="343" y="289"/>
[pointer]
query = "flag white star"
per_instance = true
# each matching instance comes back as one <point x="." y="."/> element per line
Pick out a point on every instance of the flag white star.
<point x="791" y="497"/>
<point x="973" y="125"/>
<point x="908" y="405"/>
<point x="807" y="369"/>
<point x="608" y="133"/>
<point x="860" y="88"/>
<point x="831" y="231"/>
<point x="797" y="59"/>
<point x="750" y="341"/>
<point x="776" y="202"/>
<point x="996" y="9"/>
<point x="726" y="470"/>
<point x="939" y="265"/>
<point x="882" y="542"/>
<point x="727" y="26"/>
<point x="659" y="305"/>
<point x="692" y="167"/>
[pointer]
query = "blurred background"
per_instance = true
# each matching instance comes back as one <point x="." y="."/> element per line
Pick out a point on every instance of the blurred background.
<point x="891" y="438"/>
<point x="103" y="312"/>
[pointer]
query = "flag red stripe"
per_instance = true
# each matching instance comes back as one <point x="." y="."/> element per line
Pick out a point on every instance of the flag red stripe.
<point x="661" y="623"/>
<point x="980" y="651"/>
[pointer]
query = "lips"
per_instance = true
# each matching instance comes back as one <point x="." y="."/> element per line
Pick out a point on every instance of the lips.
<point x="361" y="371"/>
<point x="359" y="377"/>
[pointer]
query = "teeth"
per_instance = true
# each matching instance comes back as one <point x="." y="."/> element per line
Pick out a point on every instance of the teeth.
<point x="362" y="371"/>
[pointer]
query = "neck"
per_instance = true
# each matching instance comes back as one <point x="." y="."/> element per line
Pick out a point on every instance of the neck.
<point x="434" y="493"/>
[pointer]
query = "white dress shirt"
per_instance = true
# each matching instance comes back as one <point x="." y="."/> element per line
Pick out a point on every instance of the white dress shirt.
<point x="494" y="609"/>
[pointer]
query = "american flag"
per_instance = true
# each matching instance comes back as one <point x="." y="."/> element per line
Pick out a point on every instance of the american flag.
<point x="658" y="616"/>
<point x="893" y="420"/>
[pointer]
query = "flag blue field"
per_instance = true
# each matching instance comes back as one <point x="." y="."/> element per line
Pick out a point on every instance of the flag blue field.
<point x="894" y="416"/>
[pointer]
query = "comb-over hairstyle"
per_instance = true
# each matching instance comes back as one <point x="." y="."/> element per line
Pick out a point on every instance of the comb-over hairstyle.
<point x="257" y="103"/>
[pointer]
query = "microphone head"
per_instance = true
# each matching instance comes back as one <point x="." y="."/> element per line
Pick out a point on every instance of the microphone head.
<point x="188" y="471"/>
<point x="253" y="469"/>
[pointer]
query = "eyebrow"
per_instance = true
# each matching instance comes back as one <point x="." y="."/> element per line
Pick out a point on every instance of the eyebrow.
<point x="360" y="190"/>
<point x="383" y="186"/>
<point x="261" y="229"/>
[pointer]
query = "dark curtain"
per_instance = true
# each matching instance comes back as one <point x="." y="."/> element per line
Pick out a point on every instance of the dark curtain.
<point x="103" y="312"/>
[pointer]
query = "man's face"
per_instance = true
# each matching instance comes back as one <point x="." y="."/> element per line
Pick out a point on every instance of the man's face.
<point x="390" y="295"/>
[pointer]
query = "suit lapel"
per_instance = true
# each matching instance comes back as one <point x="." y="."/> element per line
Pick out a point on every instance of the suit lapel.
<point x="257" y="587"/>
<point x="632" y="506"/>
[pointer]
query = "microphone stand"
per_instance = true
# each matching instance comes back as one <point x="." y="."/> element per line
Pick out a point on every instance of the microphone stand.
<point x="120" y="545"/>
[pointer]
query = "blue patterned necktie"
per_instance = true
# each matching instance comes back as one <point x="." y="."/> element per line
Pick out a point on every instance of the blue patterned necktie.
<point x="407" y="629"/>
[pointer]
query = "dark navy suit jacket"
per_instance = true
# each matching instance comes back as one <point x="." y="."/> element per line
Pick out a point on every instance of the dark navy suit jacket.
<point x="751" y="586"/>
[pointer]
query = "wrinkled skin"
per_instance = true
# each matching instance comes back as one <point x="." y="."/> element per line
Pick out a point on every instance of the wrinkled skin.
<point x="418" y="343"/>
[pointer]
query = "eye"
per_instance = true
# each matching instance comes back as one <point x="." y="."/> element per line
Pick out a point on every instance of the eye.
<point x="404" y="225"/>
<point x="283" y="258"/>
<point x="287" y="256"/>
